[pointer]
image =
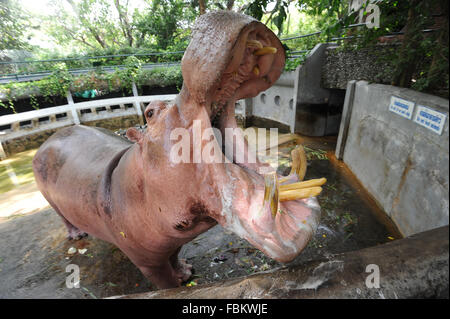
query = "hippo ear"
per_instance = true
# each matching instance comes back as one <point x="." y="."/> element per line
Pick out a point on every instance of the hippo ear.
<point x="134" y="135"/>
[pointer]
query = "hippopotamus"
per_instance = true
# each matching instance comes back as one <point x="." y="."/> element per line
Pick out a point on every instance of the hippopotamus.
<point x="131" y="194"/>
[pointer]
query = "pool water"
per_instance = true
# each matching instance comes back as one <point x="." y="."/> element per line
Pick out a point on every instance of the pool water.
<point x="16" y="171"/>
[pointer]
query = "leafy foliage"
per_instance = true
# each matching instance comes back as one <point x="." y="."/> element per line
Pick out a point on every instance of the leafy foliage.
<point x="163" y="21"/>
<point x="160" y="77"/>
<point x="292" y="64"/>
<point x="118" y="27"/>
<point x="13" y="25"/>
<point x="114" y="24"/>
<point x="257" y="8"/>
<point x="120" y="80"/>
<point x="421" y="58"/>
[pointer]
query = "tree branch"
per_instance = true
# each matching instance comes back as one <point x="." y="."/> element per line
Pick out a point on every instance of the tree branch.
<point x="85" y="22"/>
<point x="124" y="24"/>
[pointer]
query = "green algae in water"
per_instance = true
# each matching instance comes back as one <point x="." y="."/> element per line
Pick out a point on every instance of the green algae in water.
<point x="16" y="170"/>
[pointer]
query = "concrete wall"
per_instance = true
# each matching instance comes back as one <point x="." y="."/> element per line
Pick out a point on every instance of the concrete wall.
<point x="318" y="109"/>
<point x="401" y="163"/>
<point x="296" y="102"/>
<point x="309" y="100"/>
<point x="276" y="104"/>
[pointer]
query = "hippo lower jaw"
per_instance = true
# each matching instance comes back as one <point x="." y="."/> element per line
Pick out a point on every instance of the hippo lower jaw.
<point x="247" y="211"/>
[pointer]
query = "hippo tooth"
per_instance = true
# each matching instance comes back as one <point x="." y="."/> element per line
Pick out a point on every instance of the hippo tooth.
<point x="255" y="70"/>
<point x="271" y="188"/>
<point x="254" y="44"/>
<point x="266" y="50"/>
<point x="306" y="184"/>
<point x="299" y="162"/>
<point x="302" y="193"/>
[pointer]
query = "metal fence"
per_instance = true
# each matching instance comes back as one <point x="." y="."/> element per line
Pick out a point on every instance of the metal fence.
<point x="24" y="77"/>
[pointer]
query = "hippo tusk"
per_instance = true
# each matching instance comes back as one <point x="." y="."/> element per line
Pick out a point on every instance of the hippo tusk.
<point x="302" y="193"/>
<point x="305" y="184"/>
<point x="299" y="164"/>
<point x="271" y="190"/>
<point x="266" y="50"/>
<point x="255" y="44"/>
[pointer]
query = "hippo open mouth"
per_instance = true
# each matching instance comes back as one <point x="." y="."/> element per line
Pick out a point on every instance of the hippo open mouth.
<point x="230" y="57"/>
<point x="137" y="197"/>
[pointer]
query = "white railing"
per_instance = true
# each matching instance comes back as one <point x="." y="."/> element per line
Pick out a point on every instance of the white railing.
<point x="32" y="122"/>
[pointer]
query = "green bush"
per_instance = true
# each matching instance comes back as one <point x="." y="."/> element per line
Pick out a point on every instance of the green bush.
<point x="60" y="81"/>
<point x="292" y="64"/>
<point x="160" y="77"/>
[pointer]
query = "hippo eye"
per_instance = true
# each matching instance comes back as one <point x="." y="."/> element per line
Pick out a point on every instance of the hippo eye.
<point x="150" y="113"/>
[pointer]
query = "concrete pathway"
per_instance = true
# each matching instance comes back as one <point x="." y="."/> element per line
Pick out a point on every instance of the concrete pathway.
<point x="21" y="201"/>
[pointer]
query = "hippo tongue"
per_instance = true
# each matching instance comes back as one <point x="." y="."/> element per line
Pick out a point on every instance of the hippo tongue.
<point x="224" y="60"/>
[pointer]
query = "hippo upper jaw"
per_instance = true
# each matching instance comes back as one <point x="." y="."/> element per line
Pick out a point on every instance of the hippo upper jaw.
<point x="231" y="56"/>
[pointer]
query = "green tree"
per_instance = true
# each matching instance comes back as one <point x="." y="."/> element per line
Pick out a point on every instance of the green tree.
<point x="91" y="23"/>
<point x="165" y="22"/>
<point x="112" y="25"/>
<point x="420" y="59"/>
<point x="277" y="16"/>
<point x="82" y="24"/>
<point x="13" y="26"/>
<point x="418" y="46"/>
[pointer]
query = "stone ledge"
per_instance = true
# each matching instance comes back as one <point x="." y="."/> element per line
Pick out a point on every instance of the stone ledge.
<point x="414" y="267"/>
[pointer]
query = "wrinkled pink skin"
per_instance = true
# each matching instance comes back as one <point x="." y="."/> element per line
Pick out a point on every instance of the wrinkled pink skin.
<point x="132" y="195"/>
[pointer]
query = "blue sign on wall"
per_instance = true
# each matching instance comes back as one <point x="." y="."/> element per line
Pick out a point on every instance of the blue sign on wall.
<point x="431" y="119"/>
<point x="401" y="107"/>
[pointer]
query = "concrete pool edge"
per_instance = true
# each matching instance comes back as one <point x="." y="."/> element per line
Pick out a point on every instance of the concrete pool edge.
<point x="413" y="267"/>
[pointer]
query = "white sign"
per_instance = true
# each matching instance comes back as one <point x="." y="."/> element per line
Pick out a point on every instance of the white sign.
<point x="431" y="119"/>
<point x="401" y="107"/>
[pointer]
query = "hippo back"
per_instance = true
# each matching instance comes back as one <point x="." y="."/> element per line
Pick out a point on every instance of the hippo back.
<point x="84" y="149"/>
<point x="70" y="168"/>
